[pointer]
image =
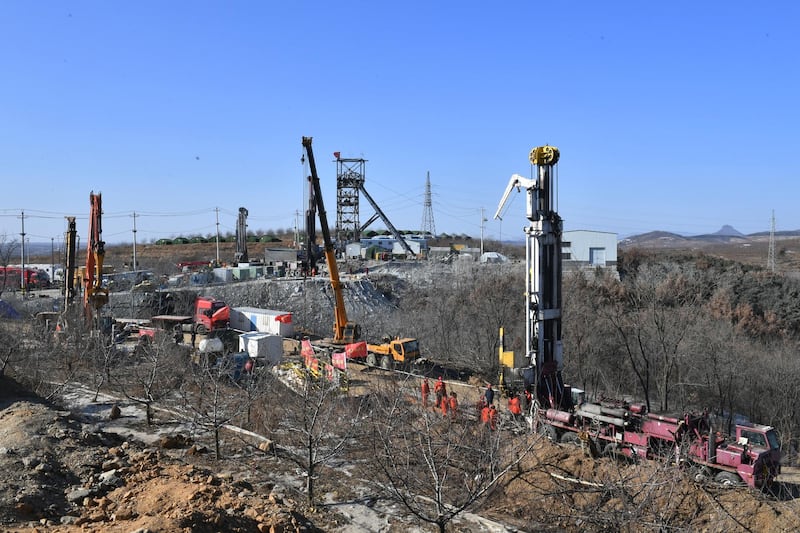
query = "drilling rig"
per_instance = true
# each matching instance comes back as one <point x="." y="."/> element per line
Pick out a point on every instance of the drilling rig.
<point x="241" y="255"/>
<point x="614" y="428"/>
<point x="544" y="352"/>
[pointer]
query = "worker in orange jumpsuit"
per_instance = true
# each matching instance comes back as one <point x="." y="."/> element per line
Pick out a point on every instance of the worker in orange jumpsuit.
<point x="528" y="399"/>
<point x="443" y="404"/>
<point x="426" y="390"/>
<point x="440" y="389"/>
<point x="493" y="417"/>
<point x="514" y="406"/>
<point x="486" y="414"/>
<point x="453" y="404"/>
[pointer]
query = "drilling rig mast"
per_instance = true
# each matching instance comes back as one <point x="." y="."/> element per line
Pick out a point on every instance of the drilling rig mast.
<point x="544" y="352"/>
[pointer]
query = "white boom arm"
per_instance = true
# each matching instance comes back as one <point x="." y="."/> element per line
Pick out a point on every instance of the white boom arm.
<point x="517" y="182"/>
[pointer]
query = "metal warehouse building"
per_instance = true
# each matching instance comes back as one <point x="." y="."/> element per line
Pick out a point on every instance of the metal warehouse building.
<point x="584" y="248"/>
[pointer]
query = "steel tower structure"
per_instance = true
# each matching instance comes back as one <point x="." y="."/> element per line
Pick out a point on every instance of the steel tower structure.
<point x="350" y="176"/>
<point x="428" y="227"/>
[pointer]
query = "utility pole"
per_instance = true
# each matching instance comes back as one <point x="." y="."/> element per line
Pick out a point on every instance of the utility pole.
<point x="22" y="284"/>
<point x="52" y="259"/>
<point x="771" y="251"/>
<point x="483" y="219"/>
<point x="216" y="209"/>
<point x="134" y="241"/>
<point x="296" y="229"/>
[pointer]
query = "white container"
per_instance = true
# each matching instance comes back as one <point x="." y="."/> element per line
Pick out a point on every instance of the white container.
<point x="262" y="320"/>
<point x="268" y="348"/>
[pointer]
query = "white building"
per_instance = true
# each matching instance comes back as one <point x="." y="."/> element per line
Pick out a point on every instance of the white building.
<point x="584" y="248"/>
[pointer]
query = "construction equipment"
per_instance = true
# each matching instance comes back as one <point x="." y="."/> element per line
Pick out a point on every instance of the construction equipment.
<point x="398" y="350"/>
<point x="615" y="428"/>
<point x="241" y="238"/>
<point x="210" y="314"/>
<point x="311" y="253"/>
<point x="70" y="265"/>
<point x="344" y="331"/>
<point x="391" y="351"/>
<point x="95" y="295"/>
<point x="543" y="342"/>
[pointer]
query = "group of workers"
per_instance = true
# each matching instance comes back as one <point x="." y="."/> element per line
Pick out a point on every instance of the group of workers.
<point x="485" y="407"/>
<point x="443" y="401"/>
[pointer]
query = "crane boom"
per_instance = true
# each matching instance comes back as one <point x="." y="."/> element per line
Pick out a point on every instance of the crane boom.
<point x="344" y="331"/>
<point x="515" y="182"/>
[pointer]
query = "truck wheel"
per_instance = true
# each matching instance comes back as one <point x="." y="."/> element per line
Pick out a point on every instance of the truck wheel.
<point x="728" y="479"/>
<point x="548" y="431"/>
<point x="570" y="438"/>
<point x="386" y="362"/>
<point x="372" y="360"/>
<point x="201" y="329"/>
<point x="702" y="474"/>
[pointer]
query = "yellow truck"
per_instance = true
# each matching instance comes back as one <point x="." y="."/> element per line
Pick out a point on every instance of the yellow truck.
<point x="393" y="351"/>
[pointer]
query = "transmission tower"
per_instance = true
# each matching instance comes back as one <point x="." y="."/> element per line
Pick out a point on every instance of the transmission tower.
<point x="771" y="251"/>
<point x="349" y="180"/>
<point x="428" y="227"/>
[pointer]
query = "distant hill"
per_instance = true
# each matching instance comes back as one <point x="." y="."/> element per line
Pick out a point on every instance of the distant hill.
<point x="657" y="239"/>
<point x="664" y="239"/>
<point x="729" y="231"/>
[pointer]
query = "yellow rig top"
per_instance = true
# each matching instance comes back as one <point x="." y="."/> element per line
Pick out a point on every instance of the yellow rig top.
<point x="544" y="155"/>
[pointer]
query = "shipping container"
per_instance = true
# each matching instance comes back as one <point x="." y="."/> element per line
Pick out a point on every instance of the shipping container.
<point x="263" y="346"/>
<point x="262" y="320"/>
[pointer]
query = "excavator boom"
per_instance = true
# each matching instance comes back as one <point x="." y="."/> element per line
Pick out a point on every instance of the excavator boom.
<point x="95" y="295"/>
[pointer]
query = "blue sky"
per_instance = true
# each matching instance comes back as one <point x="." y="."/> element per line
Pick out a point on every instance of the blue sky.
<point x="676" y="116"/>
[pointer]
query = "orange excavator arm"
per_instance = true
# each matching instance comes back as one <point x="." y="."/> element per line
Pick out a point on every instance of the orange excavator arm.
<point x="95" y="295"/>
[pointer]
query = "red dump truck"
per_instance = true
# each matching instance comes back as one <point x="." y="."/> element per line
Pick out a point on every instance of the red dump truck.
<point x="750" y="455"/>
<point x="210" y="314"/>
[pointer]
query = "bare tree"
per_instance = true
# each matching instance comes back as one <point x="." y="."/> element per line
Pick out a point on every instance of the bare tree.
<point x="218" y="393"/>
<point x="8" y="248"/>
<point x="317" y="423"/>
<point x="438" y="466"/>
<point x="153" y="373"/>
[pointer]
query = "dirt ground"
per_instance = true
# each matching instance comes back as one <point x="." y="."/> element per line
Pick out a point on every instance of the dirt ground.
<point x="65" y="474"/>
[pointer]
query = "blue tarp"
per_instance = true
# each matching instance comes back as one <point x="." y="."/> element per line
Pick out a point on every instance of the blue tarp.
<point x="7" y="311"/>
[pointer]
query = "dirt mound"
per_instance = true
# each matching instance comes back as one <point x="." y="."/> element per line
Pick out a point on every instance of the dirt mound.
<point x="61" y="475"/>
<point x="568" y="489"/>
